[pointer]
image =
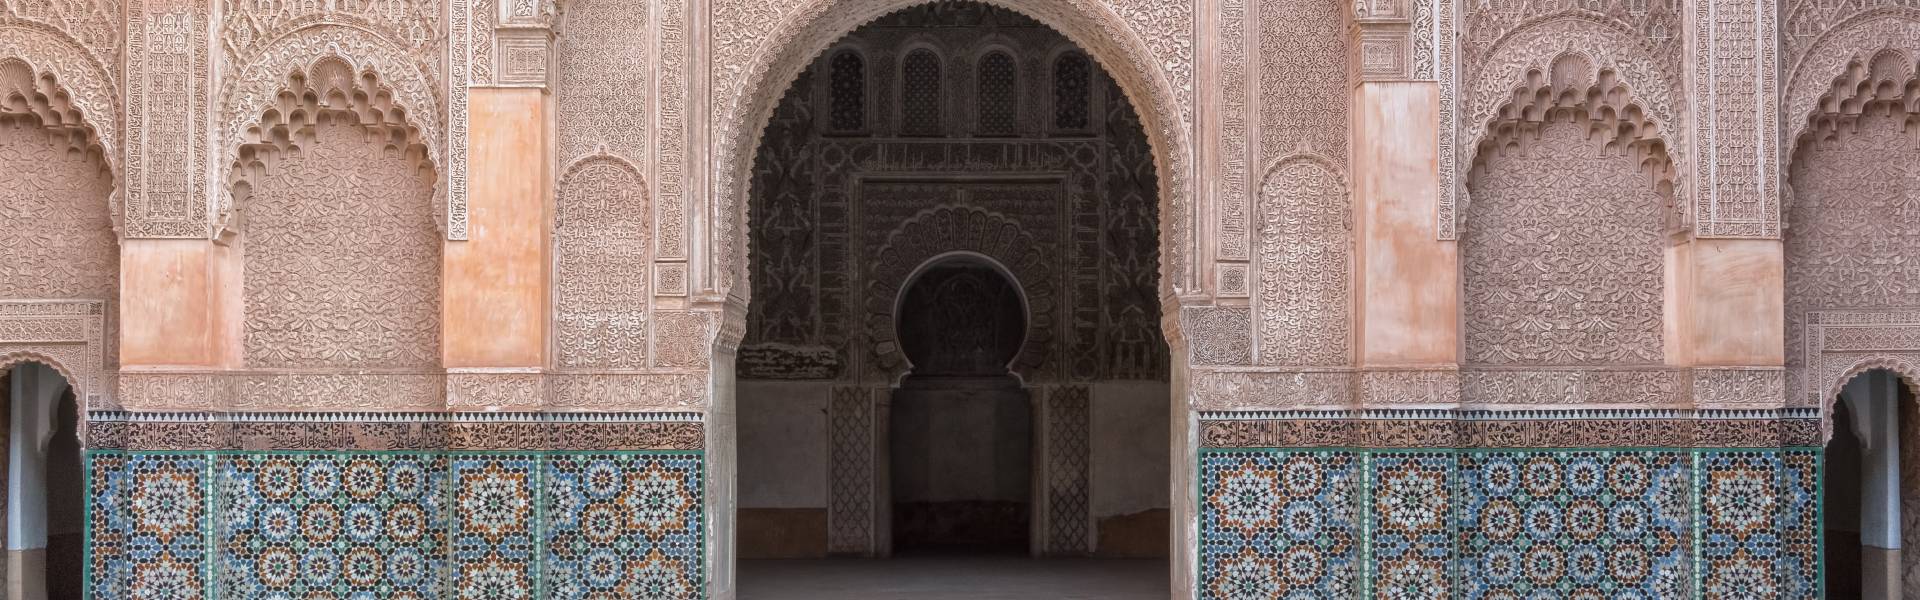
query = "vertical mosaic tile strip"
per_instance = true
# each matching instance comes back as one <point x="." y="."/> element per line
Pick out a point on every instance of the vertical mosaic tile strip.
<point x="1801" y="572"/>
<point x="301" y="525"/>
<point x="623" y="526"/>
<point x="1278" y="524"/>
<point x="1758" y="518"/>
<point x="493" y="533"/>
<point x="1574" y="524"/>
<point x="147" y="526"/>
<point x="1409" y="503"/>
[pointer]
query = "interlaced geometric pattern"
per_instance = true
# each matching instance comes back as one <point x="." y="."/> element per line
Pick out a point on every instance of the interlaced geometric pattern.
<point x="1575" y="524"/>
<point x="1067" y="454"/>
<point x="399" y="525"/>
<point x="920" y="93"/>
<point x="849" y="90"/>
<point x="850" y="480"/>
<point x="1072" y="89"/>
<point x="623" y="526"/>
<point x="998" y="94"/>
<point x="1509" y="524"/>
<point x="1278" y="524"/>
<point x="146" y="526"/>
<point x="331" y="525"/>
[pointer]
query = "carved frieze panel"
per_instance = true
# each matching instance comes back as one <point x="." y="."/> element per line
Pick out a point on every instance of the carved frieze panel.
<point x="605" y="66"/>
<point x="268" y="390"/>
<point x="1562" y="258"/>
<point x="168" y="70"/>
<point x="1734" y="100"/>
<point x="601" y="233"/>
<point x="342" y="255"/>
<point x="67" y="335"/>
<point x="1303" y="84"/>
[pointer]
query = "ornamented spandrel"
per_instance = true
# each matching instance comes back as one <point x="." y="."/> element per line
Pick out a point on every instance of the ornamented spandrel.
<point x="342" y="265"/>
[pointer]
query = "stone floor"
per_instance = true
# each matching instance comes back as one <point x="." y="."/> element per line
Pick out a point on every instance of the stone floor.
<point x="953" y="578"/>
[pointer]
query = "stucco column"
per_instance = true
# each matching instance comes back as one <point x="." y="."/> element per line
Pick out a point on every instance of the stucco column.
<point x="1873" y="398"/>
<point x="1407" y="298"/>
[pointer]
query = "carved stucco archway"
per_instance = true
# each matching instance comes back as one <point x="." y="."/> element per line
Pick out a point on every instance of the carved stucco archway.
<point x="1869" y="58"/>
<point x="67" y="335"/>
<point x="760" y="49"/>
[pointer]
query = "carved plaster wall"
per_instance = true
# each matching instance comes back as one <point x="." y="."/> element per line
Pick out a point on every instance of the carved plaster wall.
<point x="58" y="231"/>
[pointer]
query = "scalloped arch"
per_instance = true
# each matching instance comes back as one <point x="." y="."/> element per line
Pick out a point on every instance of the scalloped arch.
<point x="1900" y="366"/>
<point x="1870" y="59"/>
<point x="1573" y="83"/>
<point x="1535" y="47"/>
<point x="402" y="88"/>
<point x="87" y="89"/>
<point x="751" y="73"/>
<point x="946" y="229"/>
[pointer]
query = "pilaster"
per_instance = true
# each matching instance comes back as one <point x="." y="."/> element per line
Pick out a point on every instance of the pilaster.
<point x="1407" y="279"/>
<point x="497" y="282"/>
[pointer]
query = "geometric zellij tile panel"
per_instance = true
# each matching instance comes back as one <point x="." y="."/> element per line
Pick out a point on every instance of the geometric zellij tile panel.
<point x="395" y="525"/>
<point x="1510" y="524"/>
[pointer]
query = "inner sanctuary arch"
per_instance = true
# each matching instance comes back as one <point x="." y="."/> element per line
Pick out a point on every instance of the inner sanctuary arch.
<point x="954" y="344"/>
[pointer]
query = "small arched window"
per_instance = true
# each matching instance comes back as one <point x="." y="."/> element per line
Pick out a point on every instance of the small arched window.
<point x="849" y="89"/>
<point x="998" y="87"/>
<point x="1072" y="87"/>
<point x="920" y="93"/>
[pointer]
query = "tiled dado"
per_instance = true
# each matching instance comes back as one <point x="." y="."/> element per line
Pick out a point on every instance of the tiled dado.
<point x="474" y="521"/>
<point x="1401" y="522"/>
